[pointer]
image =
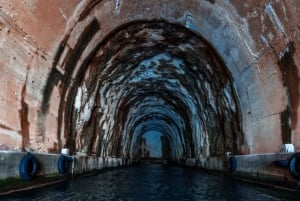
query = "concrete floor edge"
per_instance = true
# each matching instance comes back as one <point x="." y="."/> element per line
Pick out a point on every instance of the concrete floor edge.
<point x="257" y="168"/>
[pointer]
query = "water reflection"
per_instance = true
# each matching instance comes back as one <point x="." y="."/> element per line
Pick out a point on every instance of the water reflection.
<point x="154" y="182"/>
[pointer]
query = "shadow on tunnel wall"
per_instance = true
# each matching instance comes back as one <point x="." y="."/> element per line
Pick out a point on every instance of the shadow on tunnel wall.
<point x="146" y="75"/>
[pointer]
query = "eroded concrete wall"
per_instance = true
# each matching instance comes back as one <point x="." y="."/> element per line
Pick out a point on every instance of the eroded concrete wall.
<point x="40" y="44"/>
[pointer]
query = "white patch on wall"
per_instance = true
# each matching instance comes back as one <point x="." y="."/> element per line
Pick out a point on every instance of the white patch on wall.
<point x="117" y="8"/>
<point x="250" y="50"/>
<point x="63" y="14"/>
<point x="87" y="111"/>
<point x="84" y="103"/>
<point x="270" y="36"/>
<point x="285" y="51"/>
<point x="269" y="10"/>
<point x="189" y="21"/>
<point x="78" y="98"/>
<point x="265" y="40"/>
<point x="13" y="134"/>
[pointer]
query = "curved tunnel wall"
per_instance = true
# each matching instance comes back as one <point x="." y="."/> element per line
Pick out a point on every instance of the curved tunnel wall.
<point x="155" y="74"/>
<point x="199" y="72"/>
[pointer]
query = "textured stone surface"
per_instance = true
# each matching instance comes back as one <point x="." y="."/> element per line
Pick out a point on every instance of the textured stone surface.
<point x="94" y="76"/>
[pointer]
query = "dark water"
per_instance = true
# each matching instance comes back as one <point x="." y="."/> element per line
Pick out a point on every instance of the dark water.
<point x="156" y="183"/>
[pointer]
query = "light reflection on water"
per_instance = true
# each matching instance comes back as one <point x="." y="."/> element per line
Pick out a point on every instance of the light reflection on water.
<point x="154" y="182"/>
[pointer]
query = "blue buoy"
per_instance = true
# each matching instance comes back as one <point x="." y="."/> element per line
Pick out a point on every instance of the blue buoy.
<point x="294" y="166"/>
<point x="28" y="167"/>
<point x="63" y="164"/>
<point x="282" y="163"/>
<point x="232" y="163"/>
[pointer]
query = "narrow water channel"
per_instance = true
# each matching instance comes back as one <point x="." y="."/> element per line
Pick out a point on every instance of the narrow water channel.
<point x="154" y="182"/>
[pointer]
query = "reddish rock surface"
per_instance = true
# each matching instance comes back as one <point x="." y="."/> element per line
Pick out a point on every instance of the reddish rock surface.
<point x="46" y="58"/>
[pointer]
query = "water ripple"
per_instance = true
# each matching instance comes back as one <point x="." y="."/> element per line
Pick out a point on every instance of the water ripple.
<point x="154" y="182"/>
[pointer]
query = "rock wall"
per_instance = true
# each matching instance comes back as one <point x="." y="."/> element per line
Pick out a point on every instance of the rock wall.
<point x="93" y="76"/>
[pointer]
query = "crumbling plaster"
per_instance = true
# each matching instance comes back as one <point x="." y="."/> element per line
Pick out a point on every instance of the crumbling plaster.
<point x="258" y="41"/>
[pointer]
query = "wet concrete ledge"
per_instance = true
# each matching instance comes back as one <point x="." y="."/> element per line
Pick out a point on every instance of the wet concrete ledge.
<point x="255" y="168"/>
<point x="258" y="168"/>
<point x="48" y="169"/>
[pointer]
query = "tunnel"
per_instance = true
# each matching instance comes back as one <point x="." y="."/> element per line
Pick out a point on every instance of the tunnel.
<point x="135" y="80"/>
<point x="148" y="76"/>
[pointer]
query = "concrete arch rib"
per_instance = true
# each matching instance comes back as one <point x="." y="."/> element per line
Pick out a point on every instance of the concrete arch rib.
<point x="216" y="22"/>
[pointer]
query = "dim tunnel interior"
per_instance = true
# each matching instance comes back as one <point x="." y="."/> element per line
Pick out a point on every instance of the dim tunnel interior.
<point x="198" y="86"/>
<point x="147" y="77"/>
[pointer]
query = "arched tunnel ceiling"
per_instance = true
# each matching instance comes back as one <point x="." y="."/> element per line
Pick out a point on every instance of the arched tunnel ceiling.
<point x="210" y="76"/>
<point x="162" y="75"/>
<point x="151" y="75"/>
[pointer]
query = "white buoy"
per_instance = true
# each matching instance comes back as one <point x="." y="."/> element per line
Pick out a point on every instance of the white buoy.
<point x="65" y="151"/>
<point x="288" y="148"/>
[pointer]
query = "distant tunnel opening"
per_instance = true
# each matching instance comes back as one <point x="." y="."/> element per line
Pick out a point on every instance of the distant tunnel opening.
<point x="148" y="145"/>
<point x="153" y="76"/>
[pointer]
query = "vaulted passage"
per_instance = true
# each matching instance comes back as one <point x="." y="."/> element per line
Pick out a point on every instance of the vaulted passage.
<point x="151" y="76"/>
<point x="115" y="82"/>
<point x="206" y="77"/>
